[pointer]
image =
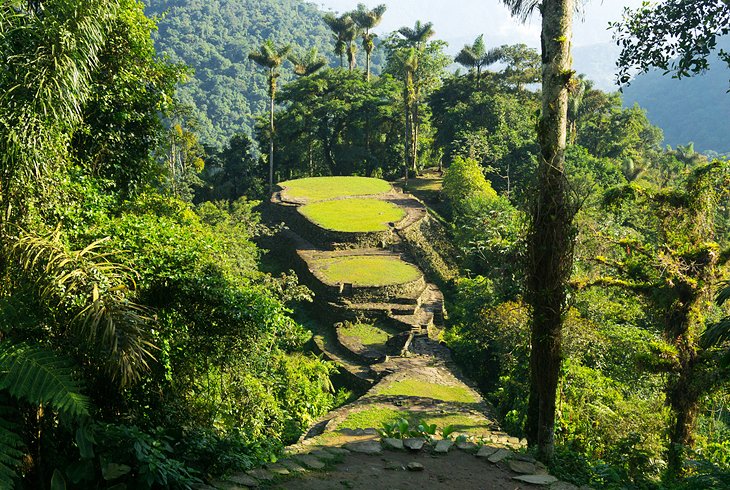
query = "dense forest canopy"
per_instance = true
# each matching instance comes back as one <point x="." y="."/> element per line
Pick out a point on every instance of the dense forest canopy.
<point x="214" y="38"/>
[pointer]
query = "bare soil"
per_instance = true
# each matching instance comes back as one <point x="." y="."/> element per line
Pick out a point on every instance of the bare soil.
<point x="456" y="470"/>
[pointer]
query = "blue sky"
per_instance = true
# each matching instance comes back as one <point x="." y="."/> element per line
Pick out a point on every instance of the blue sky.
<point x="459" y="21"/>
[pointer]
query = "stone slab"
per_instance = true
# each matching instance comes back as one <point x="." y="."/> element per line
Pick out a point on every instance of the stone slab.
<point x="292" y="466"/>
<point x="466" y="446"/>
<point x="365" y="447"/>
<point x="310" y="461"/>
<point x="486" y="451"/>
<point x="541" y="480"/>
<point x="443" y="446"/>
<point x="226" y="485"/>
<point x="323" y="455"/>
<point x="414" y="466"/>
<point x="393" y="443"/>
<point x="499" y="455"/>
<point x="522" y="467"/>
<point x="243" y="479"/>
<point x="337" y="451"/>
<point x="414" y="443"/>
<point x="261" y="474"/>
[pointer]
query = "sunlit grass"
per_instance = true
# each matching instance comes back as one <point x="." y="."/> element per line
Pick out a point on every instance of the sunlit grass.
<point x="320" y="188"/>
<point x="353" y="215"/>
<point x="368" y="335"/>
<point x="366" y="270"/>
<point x="414" y="387"/>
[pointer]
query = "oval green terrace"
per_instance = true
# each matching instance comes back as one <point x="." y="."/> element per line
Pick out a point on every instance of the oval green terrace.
<point x="322" y="188"/>
<point x="366" y="270"/>
<point x="353" y="215"/>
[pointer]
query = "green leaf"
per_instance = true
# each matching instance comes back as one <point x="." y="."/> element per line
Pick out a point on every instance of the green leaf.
<point x="112" y="471"/>
<point x="57" y="481"/>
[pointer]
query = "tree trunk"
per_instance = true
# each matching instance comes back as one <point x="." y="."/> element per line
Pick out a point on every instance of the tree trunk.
<point x="272" y="95"/>
<point x="684" y="400"/>
<point x="407" y="142"/>
<point x="550" y="245"/>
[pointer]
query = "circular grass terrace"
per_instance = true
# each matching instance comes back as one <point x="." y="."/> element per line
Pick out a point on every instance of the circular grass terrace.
<point x="366" y="270"/>
<point x="321" y="188"/>
<point x="353" y="215"/>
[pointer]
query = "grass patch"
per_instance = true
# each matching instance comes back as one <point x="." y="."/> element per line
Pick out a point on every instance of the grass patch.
<point x="371" y="417"/>
<point x="366" y="270"/>
<point x="369" y="335"/>
<point x="353" y="215"/>
<point x="461" y="423"/>
<point x="413" y="387"/>
<point x="320" y="188"/>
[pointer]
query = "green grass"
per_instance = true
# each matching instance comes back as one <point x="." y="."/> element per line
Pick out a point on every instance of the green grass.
<point x="366" y="270"/>
<point x="371" y="417"/>
<point x="320" y="188"/>
<point x="353" y="215"/>
<point x="413" y="387"/>
<point x="369" y="335"/>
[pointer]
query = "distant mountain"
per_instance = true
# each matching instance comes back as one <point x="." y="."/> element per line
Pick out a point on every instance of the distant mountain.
<point x="214" y="37"/>
<point x="598" y="62"/>
<point x="693" y="109"/>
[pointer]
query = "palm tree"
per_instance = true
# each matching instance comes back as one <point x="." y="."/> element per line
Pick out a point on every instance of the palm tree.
<point x="271" y="57"/>
<point x="416" y="37"/>
<point x="308" y="64"/>
<point x="345" y="32"/>
<point x="419" y="35"/>
<point x="550" y="242"/>
<point x="477" y="57"/>
<point x="366" y="20"/>
<point x="409" y="62"/>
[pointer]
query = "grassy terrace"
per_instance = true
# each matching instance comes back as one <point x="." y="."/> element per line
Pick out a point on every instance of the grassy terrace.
<point x="369" y="335"/>
<point x="353" y="215"/>
<point x="365" y="270"/>
<point x="321" y="188"/>
<point x="414" y="387"/>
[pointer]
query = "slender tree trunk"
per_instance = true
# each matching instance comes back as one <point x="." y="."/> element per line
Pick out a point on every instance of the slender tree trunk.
<point x="407" y="142"/>
<point x="367" y="65"/>
<point x="272" y="95"/>
<point x="684" y="400"/>
<point x="550" y="246"/>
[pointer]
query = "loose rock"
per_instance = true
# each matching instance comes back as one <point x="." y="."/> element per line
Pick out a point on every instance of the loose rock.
<point x="292" y="466"/>
<point x="466" y="446"/>
<point x="278" y="469"/>
<point x="337" y="451"/>
<point x="413" y="466"/>
<point x="561" y="485"/>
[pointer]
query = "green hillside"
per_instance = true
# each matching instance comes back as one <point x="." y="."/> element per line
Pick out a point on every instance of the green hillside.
<point x="689" y="109"/>
<point x="214" y="37"/>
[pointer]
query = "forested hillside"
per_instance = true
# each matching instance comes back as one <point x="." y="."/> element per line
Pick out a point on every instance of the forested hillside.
<point x="215" y="37"/>
<point x="695" y="109"/>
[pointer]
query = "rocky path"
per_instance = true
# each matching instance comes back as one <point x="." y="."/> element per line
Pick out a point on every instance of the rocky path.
<point x="413" y="379"/>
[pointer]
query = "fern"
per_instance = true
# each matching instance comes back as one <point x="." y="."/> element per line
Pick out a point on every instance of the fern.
<point x="11" y="445"/>
<point x="38" y="376"/>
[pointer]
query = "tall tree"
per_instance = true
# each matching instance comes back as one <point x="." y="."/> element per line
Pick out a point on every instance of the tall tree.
<point x="271" y="57"/>
<point x="476" y="56"/>
<point x="551" y="235"/>
<point x="673" y="255"/>
<point x="366" y="20"/>
<point x="345" y="31"/>
<point x="416" y="37"/>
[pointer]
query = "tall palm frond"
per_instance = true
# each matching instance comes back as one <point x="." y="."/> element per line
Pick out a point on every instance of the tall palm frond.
<point x="95" y="294"/>
<point x="345" y="32"/>
<point x="476" y="56"/>
<point x="307" y="64"/>
<point x="418" y="34"/>
<point x="11" y="443"/>
<point x="522" y="9"/>
<point x="269" y="55"/>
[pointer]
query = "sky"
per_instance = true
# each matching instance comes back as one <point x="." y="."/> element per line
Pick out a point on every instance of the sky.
<point x="460" y="21"/>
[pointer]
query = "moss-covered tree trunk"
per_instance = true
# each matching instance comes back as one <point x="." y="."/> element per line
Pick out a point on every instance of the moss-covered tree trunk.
<point x="551" y="233"/>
